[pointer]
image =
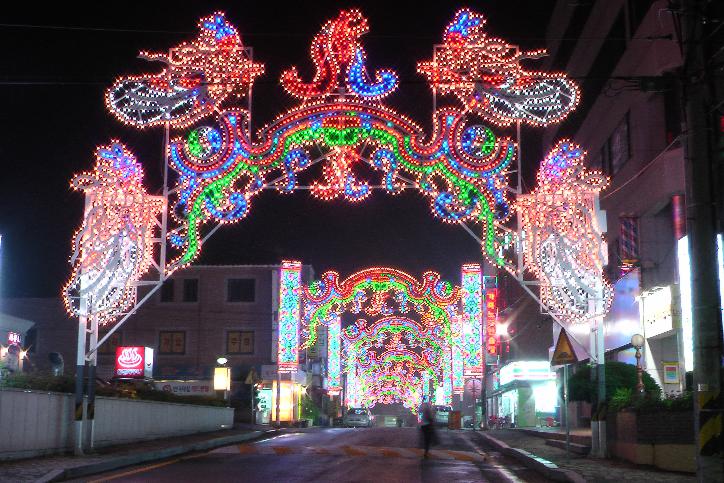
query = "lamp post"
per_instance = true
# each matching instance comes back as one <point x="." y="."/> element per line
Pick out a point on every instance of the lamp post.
<point x="637" y="340"/>
<point x="222" y="378"/>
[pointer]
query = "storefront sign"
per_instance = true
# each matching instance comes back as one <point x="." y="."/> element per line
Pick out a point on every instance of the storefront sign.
<point x="659" y="313"/>
<point x="222" y="378"/>
<point x="671" y="372"/>
<point x="491" y="318"/>
<point x="14" y="338"/>
<point x="185" y="388"/>
<point x="134" y="362"/>
<point x="526" y="371"/>
<point x="685" y="288"/>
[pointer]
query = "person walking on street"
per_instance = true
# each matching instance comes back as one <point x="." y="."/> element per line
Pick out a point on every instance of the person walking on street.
<point x="427" y="422"/>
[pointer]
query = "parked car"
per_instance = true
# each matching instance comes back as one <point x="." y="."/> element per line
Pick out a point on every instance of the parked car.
<point x="358" y="417"/>
<point x="442" y="414"/>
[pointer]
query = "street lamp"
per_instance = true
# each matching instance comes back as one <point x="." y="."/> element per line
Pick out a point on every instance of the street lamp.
<point x="222" y="378"/>
<point x="637" y="340"/>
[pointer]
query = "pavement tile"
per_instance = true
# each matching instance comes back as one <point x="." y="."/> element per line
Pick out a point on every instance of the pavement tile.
<point x="591" y="469"/>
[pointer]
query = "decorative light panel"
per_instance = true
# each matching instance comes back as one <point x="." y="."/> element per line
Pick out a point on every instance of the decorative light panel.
<point x="457" y="360"/>
<point x="290" y="293"/>
<point x="113" y="248"/>
<point x="472" y="319"/>
<point x="196" y="79"/>
<point x="486" y="75"/>
<point x="563" y="241"/>
<point x="333" y="357"/>
<point x="491" y="320"/>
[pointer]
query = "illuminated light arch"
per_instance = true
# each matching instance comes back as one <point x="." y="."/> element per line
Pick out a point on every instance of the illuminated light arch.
<point x="460" y="165"/>
<point x="373" y="291"/>
<point x="395" y="376"/>
<point x="362" y="339"/>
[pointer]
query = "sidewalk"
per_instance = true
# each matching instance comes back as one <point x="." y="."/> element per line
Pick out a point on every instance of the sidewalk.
<point x="112" y="457"/>
<point x="590" y="469"/>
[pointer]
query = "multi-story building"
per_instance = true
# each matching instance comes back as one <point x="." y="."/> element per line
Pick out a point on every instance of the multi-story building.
<point x="199" y="315"/>
<point x="625" y="54"/>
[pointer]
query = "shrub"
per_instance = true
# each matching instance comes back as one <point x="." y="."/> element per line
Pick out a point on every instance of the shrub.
<point x="618" y="376"/>
<point x="41" y="381"/>
<point x="621" y="399"/>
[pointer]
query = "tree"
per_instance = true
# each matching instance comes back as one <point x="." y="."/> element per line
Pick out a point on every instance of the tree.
<point x="619" y="375"/>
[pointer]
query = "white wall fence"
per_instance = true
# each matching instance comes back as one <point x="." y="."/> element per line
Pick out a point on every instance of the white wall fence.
<point x="33" y="423"/>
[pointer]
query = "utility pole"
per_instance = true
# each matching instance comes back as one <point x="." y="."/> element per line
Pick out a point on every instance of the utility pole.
<point x="701" y="227"/>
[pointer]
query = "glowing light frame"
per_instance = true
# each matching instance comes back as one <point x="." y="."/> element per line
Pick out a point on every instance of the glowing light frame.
<point x="290" y="293"/>
<point x="472" y="314"/>
<point x="563" y="243"/>
<point x="113" y="248"/>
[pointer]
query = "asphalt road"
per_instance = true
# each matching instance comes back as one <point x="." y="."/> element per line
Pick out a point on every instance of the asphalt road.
<point x="338" y="455"/>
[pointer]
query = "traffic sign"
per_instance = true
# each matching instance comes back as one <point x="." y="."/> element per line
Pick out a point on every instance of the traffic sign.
<point x="564" y="353"/>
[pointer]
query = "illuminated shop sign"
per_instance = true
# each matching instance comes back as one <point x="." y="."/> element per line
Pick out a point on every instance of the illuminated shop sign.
<point x="660" y="313"/>
<point x="14" y="338"/>
<point x="685" y="289"/>
<point x="491" y="318"/>
<point x="134" y="362"/>
<point x="526" y="371"/>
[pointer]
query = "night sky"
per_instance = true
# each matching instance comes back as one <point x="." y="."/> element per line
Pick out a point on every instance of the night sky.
<point x="56" y="63"/>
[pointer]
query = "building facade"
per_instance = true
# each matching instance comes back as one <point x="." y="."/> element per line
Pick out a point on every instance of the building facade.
<point x="200" y="314"/>
<point x="625" y="54"/>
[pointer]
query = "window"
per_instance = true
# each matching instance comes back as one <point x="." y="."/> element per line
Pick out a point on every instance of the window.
<point x="672" y="113"/>
<point x="620" y="146"/>
<point x="172" y="342"/>
<point x="109" y="346"/>
<point x="240" y="342"/>
<point x="191" y="290"/>
<point x="167" y="291"/>
<point x="240" y="290"/>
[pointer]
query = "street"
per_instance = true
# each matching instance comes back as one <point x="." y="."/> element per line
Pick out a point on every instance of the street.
<point x="339" y="455"/>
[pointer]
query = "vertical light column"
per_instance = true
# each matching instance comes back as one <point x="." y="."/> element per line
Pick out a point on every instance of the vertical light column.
<point x="458" y="381"/>
<point x="290" y="282"/>
<point x="333" y="356"/>
<point x="424" y="394"/>
<point x="447" y="376"/>
<point x="491" y="318"/>
<point x="472" y="314"/>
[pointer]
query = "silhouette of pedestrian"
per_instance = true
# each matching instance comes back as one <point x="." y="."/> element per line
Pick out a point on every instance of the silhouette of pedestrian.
<point x="427" y="426"/>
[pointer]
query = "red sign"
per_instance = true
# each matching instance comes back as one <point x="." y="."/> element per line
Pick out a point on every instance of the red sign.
<point x="491" y="319"/>
<point x="134" y="362"/>
<point x="14" y="338"/>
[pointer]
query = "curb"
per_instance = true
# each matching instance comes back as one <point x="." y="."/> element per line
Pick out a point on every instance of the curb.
<point x="160" y="454"/>
<point x="547" y="468"/>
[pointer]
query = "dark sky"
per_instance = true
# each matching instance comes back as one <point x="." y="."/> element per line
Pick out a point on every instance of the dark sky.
<point x="53" y="116"/>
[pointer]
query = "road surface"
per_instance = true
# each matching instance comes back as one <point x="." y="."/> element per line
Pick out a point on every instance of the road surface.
<point x="377" y="455"/>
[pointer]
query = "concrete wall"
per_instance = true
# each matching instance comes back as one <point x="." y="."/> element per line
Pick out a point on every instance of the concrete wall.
<point x="664" y="439"/>
<point x="35" y="423"/>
